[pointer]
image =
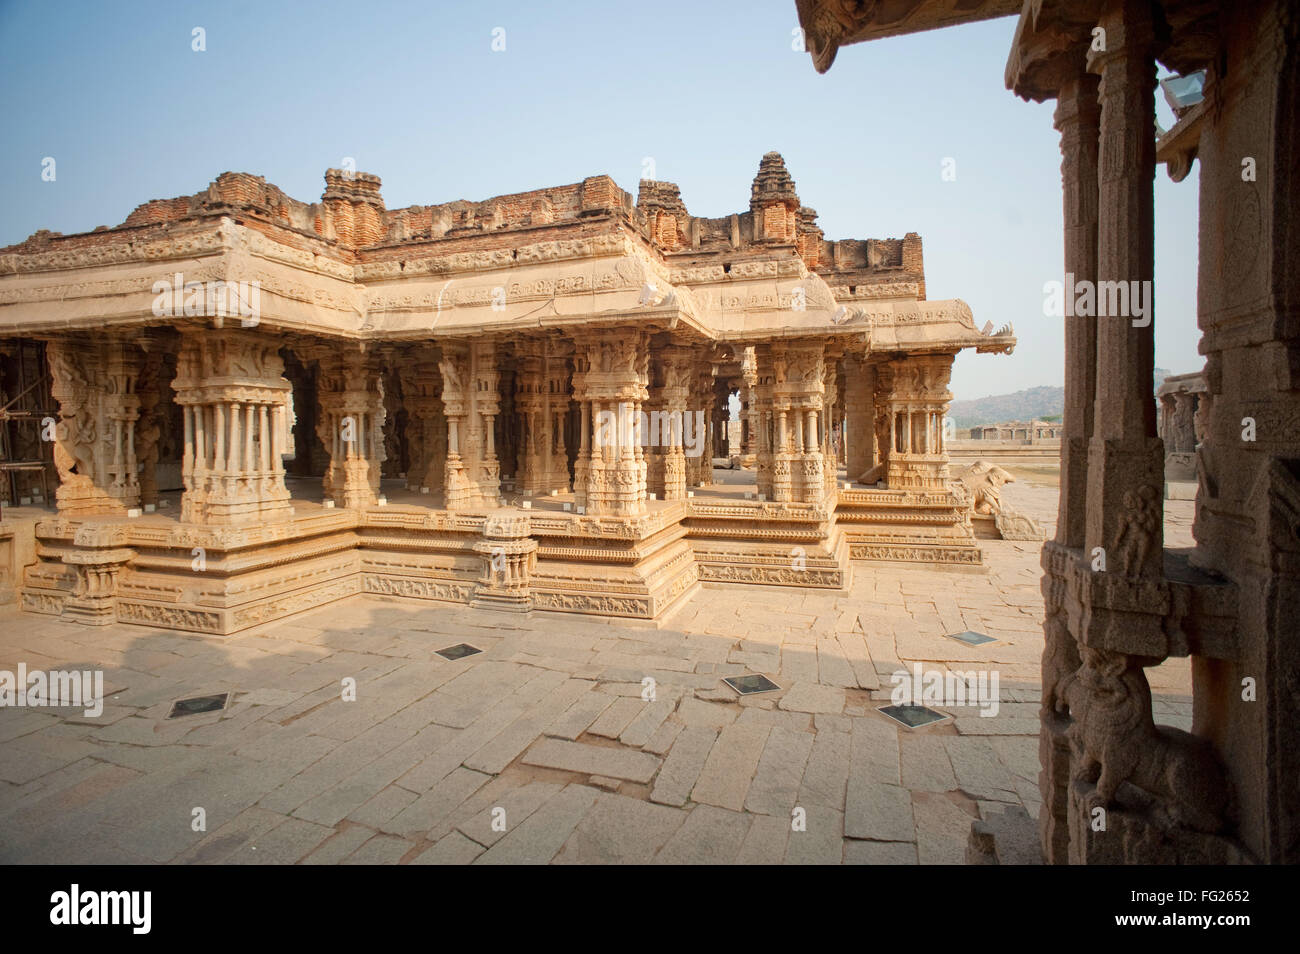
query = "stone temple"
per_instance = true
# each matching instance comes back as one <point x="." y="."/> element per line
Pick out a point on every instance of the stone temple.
<point x="513" y="403"/>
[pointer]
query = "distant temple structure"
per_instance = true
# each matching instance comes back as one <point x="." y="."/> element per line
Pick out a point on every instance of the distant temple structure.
<point x="1182" y="423"/>
<point x="1028" y="432"/>
<point x="508" y="403"/>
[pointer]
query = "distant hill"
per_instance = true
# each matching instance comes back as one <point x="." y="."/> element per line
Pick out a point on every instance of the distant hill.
<point x="1025" y="405"/>
<point x="996" y="408"/>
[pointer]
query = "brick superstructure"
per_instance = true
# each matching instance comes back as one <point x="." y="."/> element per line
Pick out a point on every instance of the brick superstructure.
<point x="351" y="223"/>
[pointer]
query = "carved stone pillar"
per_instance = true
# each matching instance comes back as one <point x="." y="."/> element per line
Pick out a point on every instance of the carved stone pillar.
<point x="749" y="409"/>
<point x="1124" y="598"/>
<point x="457" y="400"/>
<point x="94" y="452"/>
<point x="798" y="394"/>
<point x="351" y="426"/>
<point x="1077" y="118"/>
<point x="614" y="383"/>
<point x="859" y="415"/>
<point x="1126" y="459"/>
<point x="231" y="386"/>
<point x="582" y="463"/>
<point x="699" y="468"/>
<point x="768" y="443"/>
<point x="482" y="435"/>
<point x="471" y="401"/>
<point x="884" y="420"/>
<point x="426" y="425"/>
<point x="914" y="397"/>
<point x="541" y="404"/>
<point x="669" y="421"/>
<point x="530" y="405"/>
<point x="720" y="413"/>
<point x="556" y="467"/>
<point x="393" y="437"/>
<point x="830" y="400"/>
<point x="148" y="429"/>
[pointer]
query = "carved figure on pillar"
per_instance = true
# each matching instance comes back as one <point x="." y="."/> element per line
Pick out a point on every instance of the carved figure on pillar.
<point x="94" y="452"/>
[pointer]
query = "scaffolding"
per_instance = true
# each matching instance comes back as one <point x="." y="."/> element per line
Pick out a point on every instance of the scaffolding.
<point x="26" y="444"/>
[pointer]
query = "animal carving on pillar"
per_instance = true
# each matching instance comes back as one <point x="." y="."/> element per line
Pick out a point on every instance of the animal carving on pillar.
<point x="1114" y="740"/>
<point x="1060" y="659"/>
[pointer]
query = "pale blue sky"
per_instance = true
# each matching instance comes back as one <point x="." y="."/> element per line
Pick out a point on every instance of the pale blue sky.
<point x="415" y="93"/>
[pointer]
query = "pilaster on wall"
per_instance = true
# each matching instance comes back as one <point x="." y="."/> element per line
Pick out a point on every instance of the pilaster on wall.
<point x="94" y="449"/>
<point x="351" y="425"/>
<point x="611" y="383"/>
<point x="231" y="386"/>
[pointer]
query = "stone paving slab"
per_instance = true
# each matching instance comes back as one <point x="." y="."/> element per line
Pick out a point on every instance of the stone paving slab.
<point x="593" y="760"/>
<point x="682" y="768"/>
<point x="620" y="830"/>
<point x="729" y="768"/>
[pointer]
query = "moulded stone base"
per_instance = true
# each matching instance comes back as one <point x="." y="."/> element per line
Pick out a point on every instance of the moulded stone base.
<point x="642" y="590"/>
<point x="222" y="605"/>
<point x="93" y="611"/>
<point x="504" y="602"/>
<point x="1134" y="836"/>
<point x="635" y="567"/>
<point x="821" y="564"/>
<point x="911" y="526"/>
<point x="75" y="499"/>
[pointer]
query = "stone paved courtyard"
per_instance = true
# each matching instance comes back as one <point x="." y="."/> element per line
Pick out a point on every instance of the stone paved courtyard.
<point x="541" y="748"/>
